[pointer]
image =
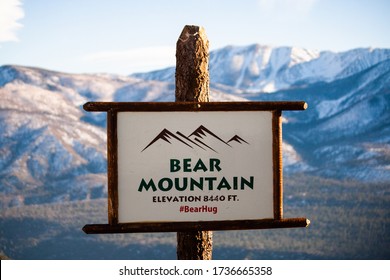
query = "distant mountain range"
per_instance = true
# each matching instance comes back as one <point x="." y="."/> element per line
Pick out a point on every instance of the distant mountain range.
<point x="51" y="150"/>
<point x="258" y="68"/>
<point x="196" y="139"/>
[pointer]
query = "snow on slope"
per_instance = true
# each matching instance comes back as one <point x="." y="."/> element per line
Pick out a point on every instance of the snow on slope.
<point x="345" y="131"/>
<point x="47" y="153"/>
<point x="258" y="68"/>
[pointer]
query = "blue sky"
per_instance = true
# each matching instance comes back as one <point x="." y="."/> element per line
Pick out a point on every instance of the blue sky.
<point x="124" y="36"/>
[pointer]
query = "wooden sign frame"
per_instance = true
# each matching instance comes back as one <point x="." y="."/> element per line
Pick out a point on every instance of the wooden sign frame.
<point x="112" y="109"/>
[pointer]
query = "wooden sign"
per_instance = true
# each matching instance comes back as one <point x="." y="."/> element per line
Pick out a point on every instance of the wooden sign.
<point x="194" y="166"/>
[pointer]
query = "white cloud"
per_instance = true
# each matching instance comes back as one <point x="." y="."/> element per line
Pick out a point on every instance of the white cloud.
<point x="10" y="12"/>
<point x="134" y="60"/>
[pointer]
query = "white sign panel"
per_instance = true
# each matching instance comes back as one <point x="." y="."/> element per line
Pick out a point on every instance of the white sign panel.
<point x="194" y="166"/>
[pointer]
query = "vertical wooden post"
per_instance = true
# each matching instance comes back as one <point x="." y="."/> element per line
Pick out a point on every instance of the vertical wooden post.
<point x="112" y="168"/>
<point x="192" y="63"/>
<point x="278" y="164"/>
<point x="192" y="84"/>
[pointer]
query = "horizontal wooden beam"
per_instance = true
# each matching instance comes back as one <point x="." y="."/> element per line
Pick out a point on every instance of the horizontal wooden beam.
<point x="196" y="226"/>
<point x="195" y="106"/>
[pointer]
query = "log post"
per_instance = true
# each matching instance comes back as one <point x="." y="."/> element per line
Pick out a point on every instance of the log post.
<point x="192" y="63"/>
<point x="192" y="85"/>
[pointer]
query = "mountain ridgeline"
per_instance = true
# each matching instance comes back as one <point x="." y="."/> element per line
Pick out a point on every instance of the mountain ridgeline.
<point x="53" y="151"/>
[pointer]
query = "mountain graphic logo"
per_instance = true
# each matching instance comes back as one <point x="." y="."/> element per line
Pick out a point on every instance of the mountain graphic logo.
<point x="199" y="139"/>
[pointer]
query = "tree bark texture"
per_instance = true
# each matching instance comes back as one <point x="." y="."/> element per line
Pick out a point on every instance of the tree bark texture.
<point x="195" y="245"/>
<point x="192" y="65"/>
<point x="192" y="85"/>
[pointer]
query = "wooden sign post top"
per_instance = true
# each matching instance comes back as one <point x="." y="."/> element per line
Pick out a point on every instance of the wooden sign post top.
<point x="184" y="166"/>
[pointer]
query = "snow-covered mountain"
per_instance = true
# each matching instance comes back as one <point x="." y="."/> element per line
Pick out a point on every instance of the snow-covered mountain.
<point x="346" y="131"/>
<point x="258" y="68"/>
<point x="51" y="150"/>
